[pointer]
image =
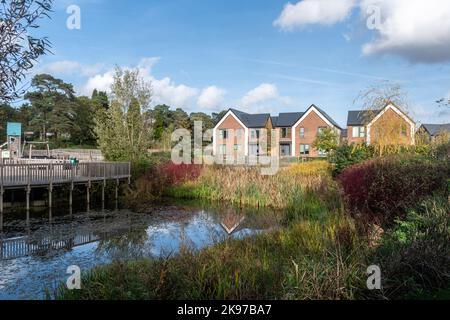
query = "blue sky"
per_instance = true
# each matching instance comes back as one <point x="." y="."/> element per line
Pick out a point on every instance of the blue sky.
<point x="258" y="56"/>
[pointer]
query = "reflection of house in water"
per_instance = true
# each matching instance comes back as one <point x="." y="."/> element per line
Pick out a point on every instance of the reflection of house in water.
<point x="231" y="222"/>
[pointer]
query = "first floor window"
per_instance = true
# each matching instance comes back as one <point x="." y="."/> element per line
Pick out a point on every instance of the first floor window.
<point x="359" y="132"/>
<point x="237" y="147"/>
<point x="239" y="133"/>
<point x="224" y="134"/>
<point x="304" y="149"/>
<point x="302" y="132"/>
<point x="285" y="150"/>
<point x="223" y="149"/>
<point x="255" y="134"/>
<point x="284" y="132"/>
<point x="322" y="153"/>
<point x="320" y="130"/>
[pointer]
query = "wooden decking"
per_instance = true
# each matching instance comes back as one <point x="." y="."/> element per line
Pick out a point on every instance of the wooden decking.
<point x="30" y="174"/>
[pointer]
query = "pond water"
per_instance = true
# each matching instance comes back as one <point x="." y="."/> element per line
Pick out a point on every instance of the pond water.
<point x="35" y="253"/>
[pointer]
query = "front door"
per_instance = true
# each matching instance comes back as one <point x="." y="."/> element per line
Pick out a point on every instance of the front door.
<point x="285" y="150"/>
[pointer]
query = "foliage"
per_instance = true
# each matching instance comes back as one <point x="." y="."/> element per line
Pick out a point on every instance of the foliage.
<point x="382" y="189"/>
<point x="123" y="130"/>
<point x="19" y="50"/>
<point x="347" y="155"/>
<point x="326" y="141"/>
<point x="415" y="254"/>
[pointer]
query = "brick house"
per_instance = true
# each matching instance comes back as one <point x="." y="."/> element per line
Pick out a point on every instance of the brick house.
<point x="239" y="133"/>
<point x="433" y="131"/>
<point x="364" y="126"/>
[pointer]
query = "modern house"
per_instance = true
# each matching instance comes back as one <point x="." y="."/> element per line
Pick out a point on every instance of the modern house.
<point x="240" y="134"/>
<point x="365" y="126"/>
<point x="433" y="131"/>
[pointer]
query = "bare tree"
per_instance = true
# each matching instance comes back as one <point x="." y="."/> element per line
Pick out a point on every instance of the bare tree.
<point x="389" y="131"/>
<point x="19" y="50"/>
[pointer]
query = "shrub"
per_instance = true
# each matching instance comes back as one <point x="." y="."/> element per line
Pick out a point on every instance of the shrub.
<point x="415" y="254"/>
<point x="177" y="174"/>
<point x="382" y="189"/>
<point x="347" y="155"/>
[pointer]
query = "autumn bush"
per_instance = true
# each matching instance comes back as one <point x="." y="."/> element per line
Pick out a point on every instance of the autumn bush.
<point x="382" y="189"/>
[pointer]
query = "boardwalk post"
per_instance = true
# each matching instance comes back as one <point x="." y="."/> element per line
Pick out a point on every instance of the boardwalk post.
<point x="1" y="187"/>
<point x="50" y="187"/>
<point x="88" y="198"/>
<point x="117" y="188"/>
<point x="71" y="186"/>
<point x="104" y="183"/>
<point x="28" y="189"/>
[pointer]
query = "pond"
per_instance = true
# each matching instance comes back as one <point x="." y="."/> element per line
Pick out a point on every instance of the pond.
<point x="35" y="253"/>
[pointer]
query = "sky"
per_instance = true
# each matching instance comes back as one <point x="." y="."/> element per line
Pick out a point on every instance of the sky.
<point x="257" y="55"/>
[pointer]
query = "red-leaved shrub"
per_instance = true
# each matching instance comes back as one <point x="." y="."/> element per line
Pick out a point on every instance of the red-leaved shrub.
<point x="179" y="173"/>
<point x="382" y="189"/>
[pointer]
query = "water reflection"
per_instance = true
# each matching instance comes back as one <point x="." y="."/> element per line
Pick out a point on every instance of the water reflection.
<point x="35" y="252"/>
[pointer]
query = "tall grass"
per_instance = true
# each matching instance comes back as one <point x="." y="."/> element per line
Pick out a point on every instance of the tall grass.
<point x="246" y="186"/>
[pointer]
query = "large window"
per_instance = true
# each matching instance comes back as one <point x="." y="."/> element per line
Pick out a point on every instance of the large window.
<point x="224" y="134"/>
<point x="359" y="132"/>
<point x="255" y="133"/>
<point x="302" y="132"/>
<point x="223" y="149"/>
<point x="284" y="132"/>
<point x="239" y="133"/>
<point x="304" y="149"/>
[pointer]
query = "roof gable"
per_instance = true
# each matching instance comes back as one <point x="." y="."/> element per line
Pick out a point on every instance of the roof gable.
<point x="435" y="129"/>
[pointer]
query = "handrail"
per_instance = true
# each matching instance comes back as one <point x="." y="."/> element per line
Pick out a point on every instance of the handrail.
<point x="29" y="173"/>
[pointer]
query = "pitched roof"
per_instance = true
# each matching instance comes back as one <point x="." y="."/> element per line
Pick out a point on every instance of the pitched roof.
<point x="330" y="119"/>
<point x="274" y="121"/>
<point x="434" y="129"/>
<point x="288" y="119"/>
<point x="252" y="120"/>
<point x="361" y="117"/>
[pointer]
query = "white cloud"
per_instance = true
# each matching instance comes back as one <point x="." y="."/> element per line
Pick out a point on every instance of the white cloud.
<point x="211" y="97"/>
<point x="101" y="82"/>
<point x="414" y="29"/>
<point x="325" y="12"/>
<point x="68" y="67"/>
<point x="265" y="98"/>
<point x="165" y="91"/>
<point x="259" y="94"/>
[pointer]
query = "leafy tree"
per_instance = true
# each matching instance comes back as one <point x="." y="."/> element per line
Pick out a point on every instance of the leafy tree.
<point x="100" y="99"/>
<point x="52" y="104"/>
<point x="19" y="50"/>
<point x="326" y="141"/>
<point x="123" y="131"/>
<point x="204" y="118"/>
<point x="216" y="117"/>
<point x="82" y="132"/>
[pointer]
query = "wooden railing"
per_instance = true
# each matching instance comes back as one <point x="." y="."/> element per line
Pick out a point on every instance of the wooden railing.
<point x="40" y="173"/>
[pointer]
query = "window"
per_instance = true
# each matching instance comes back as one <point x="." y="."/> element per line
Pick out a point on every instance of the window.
<point x="302" y="132"/>
<point x="304" y="149"/>
<point x="320" y="130"/>
<point x="359" y="132"/>
<point x="223" y="149"/>
<point x="285" y="150"/>
<point x="239" y="133"/>
<point x="404" y="130"/>
<point x="237" y="147"/>
<point x="284" y="132"/>
<point x="255" y="134"/>
<point x="322" y="153"/>
<point x="224" y="134"/>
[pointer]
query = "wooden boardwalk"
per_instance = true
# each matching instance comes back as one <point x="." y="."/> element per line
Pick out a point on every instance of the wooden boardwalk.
<point x="28" y="174"/>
